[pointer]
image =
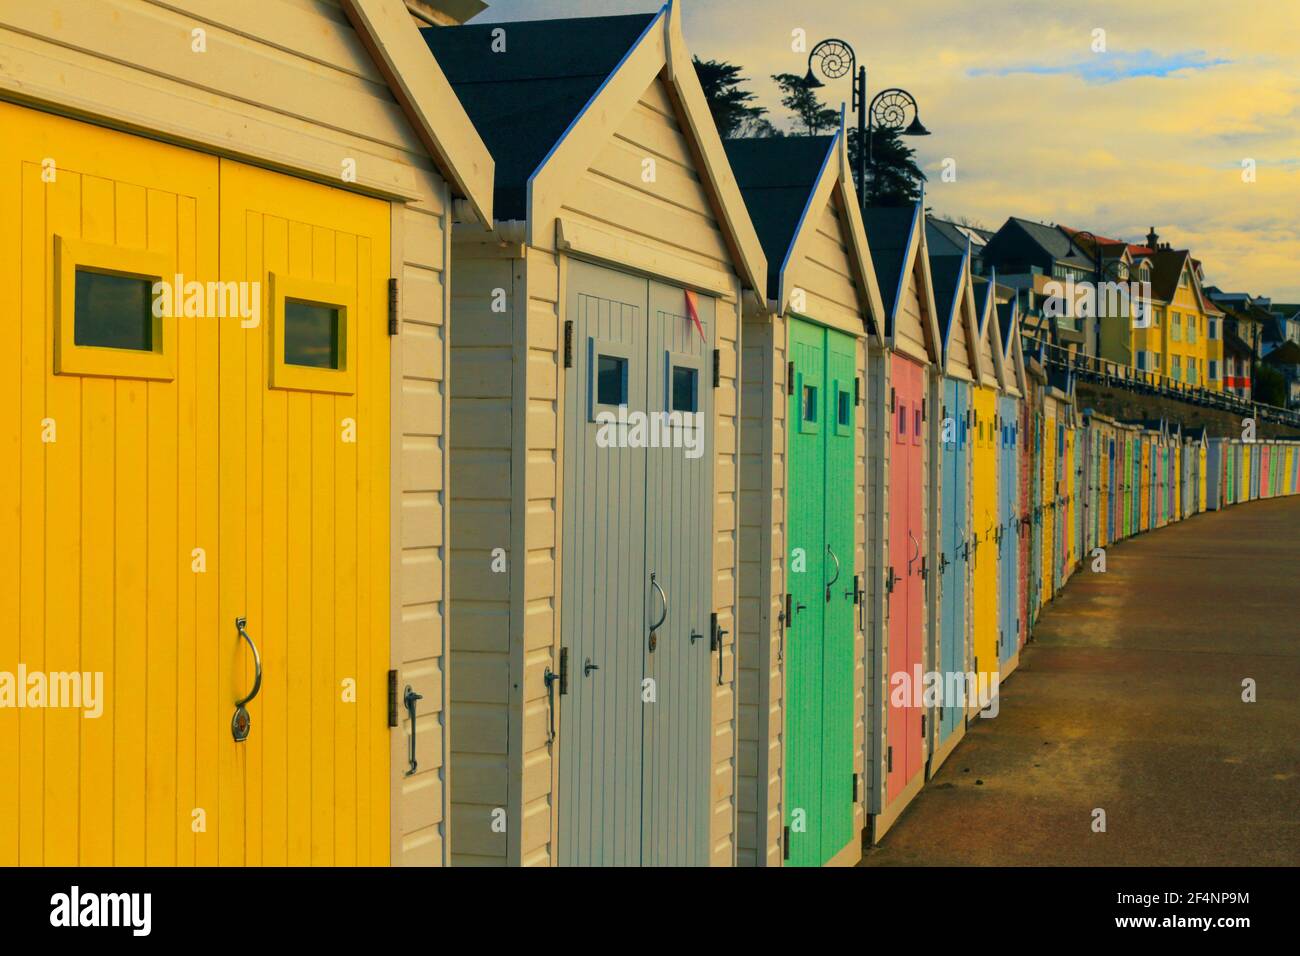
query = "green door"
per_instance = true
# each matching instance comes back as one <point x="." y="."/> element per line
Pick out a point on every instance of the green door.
<point x="820" y="574"/>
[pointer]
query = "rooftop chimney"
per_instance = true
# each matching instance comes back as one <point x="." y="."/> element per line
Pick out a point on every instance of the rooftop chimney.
<point x="1153" y="239"/>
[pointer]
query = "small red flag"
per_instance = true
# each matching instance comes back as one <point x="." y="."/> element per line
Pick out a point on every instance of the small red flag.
<point x="694" y="313"/>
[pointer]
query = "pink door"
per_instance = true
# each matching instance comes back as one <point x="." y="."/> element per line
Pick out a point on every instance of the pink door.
<point x="906" y="599"/>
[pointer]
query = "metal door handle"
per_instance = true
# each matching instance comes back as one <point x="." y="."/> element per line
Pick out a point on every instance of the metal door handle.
<point x="409" y="699"/>
<point x="654" y="640"/>
<point x="837" y="572"/>
<point x="916" y="544"/>
<point x="588" y="667"/>
<point x="241" y="722"/>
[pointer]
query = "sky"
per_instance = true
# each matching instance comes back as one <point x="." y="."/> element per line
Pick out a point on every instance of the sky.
<point x="1040" y="121"/>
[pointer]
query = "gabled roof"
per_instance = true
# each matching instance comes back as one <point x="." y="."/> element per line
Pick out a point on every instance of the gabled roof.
<point x="955" y="236"/>
<point x="786" y="182"/>
<point x="523" y="99"/>
<point x="555" y="95"/>
<point x="421" y="89"/>
<point x="948" y="273"/>
<point x="776" y="176"/>
<point x="1288" y="353"/>
<point x="1054" y="241"/>
<point x="889" y="231"/>
<point x="986" y="312"/>
<point x="1168" y="266"/>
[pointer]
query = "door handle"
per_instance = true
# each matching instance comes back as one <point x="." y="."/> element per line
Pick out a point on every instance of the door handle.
<point x="916" y="544"/>
<point x="837" y="572"/>
<point x="409" y="699"/>
<point x="654" y="638"/>
<point x="588" y="667"/>
<point x="241" y="722"/>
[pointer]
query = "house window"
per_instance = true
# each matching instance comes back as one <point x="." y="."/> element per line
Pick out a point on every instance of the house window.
<point x="311" y="339"/>
<point x="311" y="334"/>
<point x="810" y="403"/>
<point x="104" y="312"/>
<point x="1175" y="326"/>
<point x="611" y="380"/>
<point x="846" y="408"/>
<point x="1176" y="369"/>
<point x="1214" y="370"/>
<point x="686" y="391"/>
<point x="1142" y="360"/>
<point x="113" y="311"/>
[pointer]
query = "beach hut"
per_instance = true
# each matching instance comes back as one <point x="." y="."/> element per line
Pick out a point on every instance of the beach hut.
<point x="951" y="644"/>
<point x="986" y="505"/>
<point x="595" y="538"/>
<point x="1012" y="528"/>
<point x="902" y="502"/>
<point x="803" y="522"/>
<point x="226" y="240"/>
<point x="1035" y="463"/>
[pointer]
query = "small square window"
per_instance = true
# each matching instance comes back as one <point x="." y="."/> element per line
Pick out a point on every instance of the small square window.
<point x="810" y="403"/>
<point x="611" y="380"/>
<point x="686" y="389"/>
<point x="311" y="334"/>
<point x="845" y="409"/>
<point x="113" y="311"/>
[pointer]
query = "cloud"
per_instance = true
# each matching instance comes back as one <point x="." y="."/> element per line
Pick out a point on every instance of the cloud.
<point x="1114" y="66"/>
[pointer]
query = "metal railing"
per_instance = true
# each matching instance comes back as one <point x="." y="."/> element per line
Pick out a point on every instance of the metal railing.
<point x="1090" y="368"/>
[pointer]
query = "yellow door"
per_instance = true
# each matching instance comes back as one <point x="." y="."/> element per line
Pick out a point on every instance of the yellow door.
<point x="304" y="530"/>
<point x="151" y="500"/>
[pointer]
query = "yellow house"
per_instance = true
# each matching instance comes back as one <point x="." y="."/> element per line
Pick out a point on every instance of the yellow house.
<point x="227" y="518"/>
<point x="1177" y="343"/>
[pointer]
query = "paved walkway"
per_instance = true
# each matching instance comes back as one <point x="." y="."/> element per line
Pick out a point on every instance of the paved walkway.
<point x="1129" y="699"/>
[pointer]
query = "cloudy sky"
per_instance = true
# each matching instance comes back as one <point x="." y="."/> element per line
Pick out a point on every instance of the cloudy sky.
<point x="1153" y="131"/>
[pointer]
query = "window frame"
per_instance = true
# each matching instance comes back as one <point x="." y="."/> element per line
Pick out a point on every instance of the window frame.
<point x="597" y="347"/>
<point x="156" y="364"/>
<point x="306" y="378"/>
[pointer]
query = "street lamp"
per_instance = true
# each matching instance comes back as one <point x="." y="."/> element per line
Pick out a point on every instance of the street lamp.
<point x="893" y="109"/>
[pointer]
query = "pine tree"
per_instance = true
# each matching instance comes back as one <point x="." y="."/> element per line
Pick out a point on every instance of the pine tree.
<point x="729" y="102"/>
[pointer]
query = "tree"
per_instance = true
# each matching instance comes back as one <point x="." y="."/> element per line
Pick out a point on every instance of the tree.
<point x="802" y="101"/>
<point x="893" y="177"/>
<point x="1269" y="386"/>
<point x="729" y="102"/>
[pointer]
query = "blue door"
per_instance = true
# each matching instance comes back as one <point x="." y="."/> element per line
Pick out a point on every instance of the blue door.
<point x="953" y="560"/>
<point x="1009" y="541"/>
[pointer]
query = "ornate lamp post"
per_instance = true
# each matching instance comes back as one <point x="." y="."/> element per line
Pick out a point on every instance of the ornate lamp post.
<point x="893" y="109"/>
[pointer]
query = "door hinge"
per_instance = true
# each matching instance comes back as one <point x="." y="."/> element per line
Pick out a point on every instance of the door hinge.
<point x="568" y="344"/>
<point x="892" y="396"/>
<point x="923" y="726"/>
<point x="855" y="788"/>
<point x="393" y="304"/>
<point x="789" y="378"/>
<point x="785" y="843"/>
<point x="788" y="608"/>
<point x="564" y="671"/>
<point x="889" y="759"/>
<point x="392" y="698"/>
<point x="924" y="414"/>
<point x="717" y="367"/>
<point x="857" y="391"/>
